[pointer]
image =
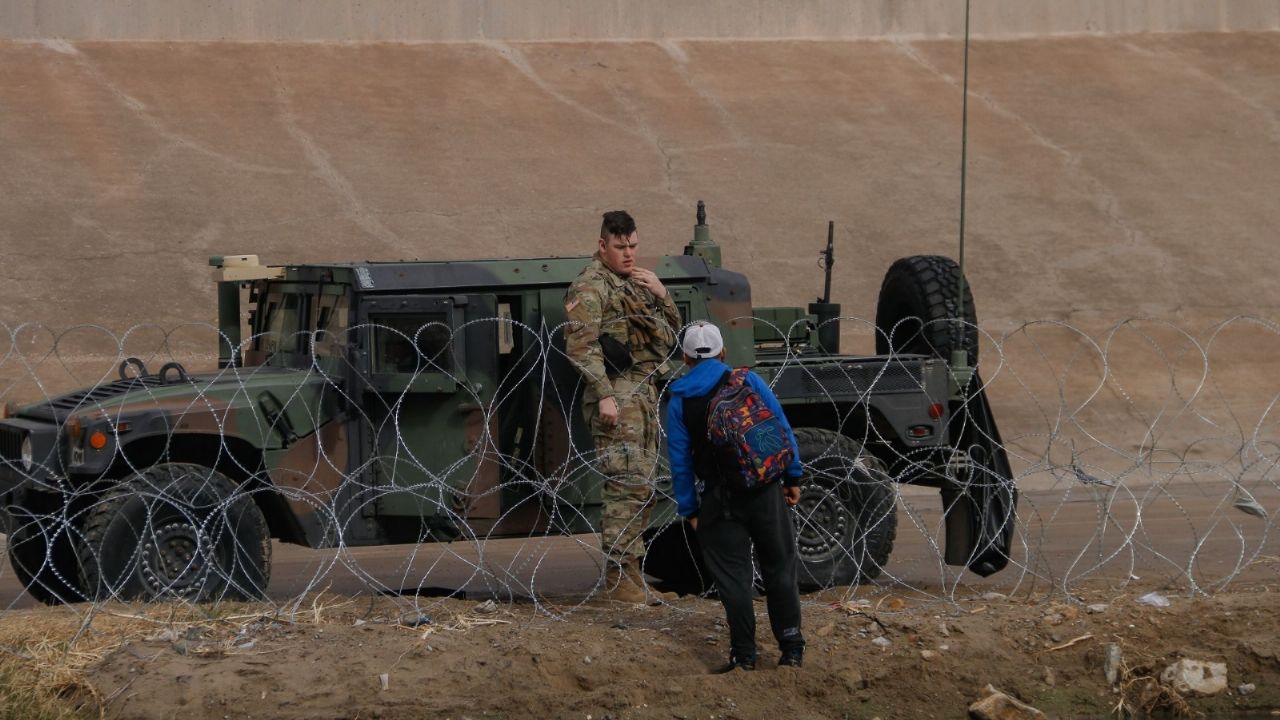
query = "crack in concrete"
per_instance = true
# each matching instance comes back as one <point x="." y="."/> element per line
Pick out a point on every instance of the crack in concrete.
<point x="84" y="222"/>
<point x="327" y="172"/>
<point x="485" y="211"/>
<point x="506" y="226"/>
<point x="433" y="213"/>
<point x="641" y="129"/>
<point x="681" y="60"/>
<point x="155" y="125"/>
<point x="1269" y="115"/>
<point x="647" y="133"/>
<point x="667" y="169"/>
<point x="240" y="228"/>
<point x="59" y="45"/>
<point x="139" y="176"/>
<point x="673" y="48"/>
<point x="747" y="249"/>
<point x="517" y="59"/>
<point x="1104" y="198"/>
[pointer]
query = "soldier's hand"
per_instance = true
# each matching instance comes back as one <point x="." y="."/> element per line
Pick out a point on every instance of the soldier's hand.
<point x="791" y="495"/>
<point x="609" y="412"/>
<point x="649" y="281"/>
<point x="693" y="522"/>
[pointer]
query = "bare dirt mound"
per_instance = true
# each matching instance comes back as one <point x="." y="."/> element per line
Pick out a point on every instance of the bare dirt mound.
<point x="879" y="656"/>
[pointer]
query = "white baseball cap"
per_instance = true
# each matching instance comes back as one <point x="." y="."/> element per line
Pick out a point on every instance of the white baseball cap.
<point x="702" y="340"/>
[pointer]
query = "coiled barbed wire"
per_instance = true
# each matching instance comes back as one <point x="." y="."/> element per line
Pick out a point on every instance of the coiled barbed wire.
<point x="1137" y="452"/>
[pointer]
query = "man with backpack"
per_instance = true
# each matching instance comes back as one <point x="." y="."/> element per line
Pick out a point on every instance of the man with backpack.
<point x="726" y="433"/>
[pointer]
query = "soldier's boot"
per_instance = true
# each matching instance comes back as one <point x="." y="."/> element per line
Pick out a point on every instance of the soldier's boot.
<point x="652" y="595"/>
<point x="619" y="587"/>
<point x="660" y="598"/>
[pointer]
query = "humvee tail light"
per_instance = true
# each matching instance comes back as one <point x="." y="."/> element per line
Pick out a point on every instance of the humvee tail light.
<point x="98" y="440"/>
<point x="75" y="430"/>
<point x="935" y="410"/>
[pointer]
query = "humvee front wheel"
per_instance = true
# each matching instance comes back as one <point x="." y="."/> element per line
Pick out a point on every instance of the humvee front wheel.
<point x="42" y="553"/>
<point x="847" y="517"/>
<point x="176" y="531"/>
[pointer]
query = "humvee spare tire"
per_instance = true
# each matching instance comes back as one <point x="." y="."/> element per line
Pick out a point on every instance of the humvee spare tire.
<point x="917" y="309"/>
<point x="917" y="313"/>
<point x="847" y="518"/>
<point x="175" y="531"/>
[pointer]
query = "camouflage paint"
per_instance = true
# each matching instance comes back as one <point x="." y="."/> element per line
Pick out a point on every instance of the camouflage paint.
<point x="310" y="422"/>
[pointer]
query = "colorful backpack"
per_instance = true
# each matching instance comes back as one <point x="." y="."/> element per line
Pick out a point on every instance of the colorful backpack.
<point x="742" y="428"/>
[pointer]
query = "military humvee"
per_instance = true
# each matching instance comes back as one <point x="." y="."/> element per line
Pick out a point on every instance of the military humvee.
<point x="403" y="402"/>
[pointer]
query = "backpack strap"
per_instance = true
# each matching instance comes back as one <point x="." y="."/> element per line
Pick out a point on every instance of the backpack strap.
<point x="695" y="421"/>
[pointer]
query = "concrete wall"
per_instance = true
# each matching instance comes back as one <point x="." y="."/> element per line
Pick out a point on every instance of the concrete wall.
<point x="464" y="20"/>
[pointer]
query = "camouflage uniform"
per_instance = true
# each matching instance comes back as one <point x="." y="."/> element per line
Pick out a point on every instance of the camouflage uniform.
<point x="602" y="302"/>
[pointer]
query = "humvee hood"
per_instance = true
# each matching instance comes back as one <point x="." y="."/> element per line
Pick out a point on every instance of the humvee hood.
<point x="201" y="392"/>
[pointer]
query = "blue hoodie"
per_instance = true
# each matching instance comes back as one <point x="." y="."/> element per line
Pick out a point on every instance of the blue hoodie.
<point x="700" y="380"/>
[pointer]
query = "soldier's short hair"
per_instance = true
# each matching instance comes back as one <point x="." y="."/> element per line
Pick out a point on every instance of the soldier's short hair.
<point x="617" y="223"/>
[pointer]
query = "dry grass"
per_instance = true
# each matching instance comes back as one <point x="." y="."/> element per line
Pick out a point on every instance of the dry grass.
<point x="1143" y="695"/>
<point x="42" y="664"/>
<point x="46" y="653"/>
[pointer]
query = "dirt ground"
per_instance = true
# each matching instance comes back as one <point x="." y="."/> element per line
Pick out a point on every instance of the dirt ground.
<point x="334" y="657"/>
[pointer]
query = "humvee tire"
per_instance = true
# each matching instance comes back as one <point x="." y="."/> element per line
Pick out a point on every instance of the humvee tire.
<point x="847" y="517"/>
<point x="50" y="573"/>
<point x="845" y="523"/>
<point x="176" y="531"/>
<point x="917" y="299"/>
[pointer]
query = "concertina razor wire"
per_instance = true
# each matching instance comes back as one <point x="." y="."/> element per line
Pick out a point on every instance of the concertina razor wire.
<point x="1141" y="451"/>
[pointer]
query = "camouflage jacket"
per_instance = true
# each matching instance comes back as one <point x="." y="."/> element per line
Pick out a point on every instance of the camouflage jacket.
<point x="602" y="302"/>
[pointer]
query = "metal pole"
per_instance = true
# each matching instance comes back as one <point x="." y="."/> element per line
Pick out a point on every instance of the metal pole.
<point x="960" y="370"/>
<point x="964" y="160"/>
<point x="829" y="259"/>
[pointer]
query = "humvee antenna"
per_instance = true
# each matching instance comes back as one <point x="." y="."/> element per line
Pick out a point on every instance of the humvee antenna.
<point x="828" y="259"/>
<point x="964" y="151"/>
<point x="960" y="355"/>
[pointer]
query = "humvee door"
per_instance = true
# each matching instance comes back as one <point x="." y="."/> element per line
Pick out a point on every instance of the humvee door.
<point x="429" y="376"/>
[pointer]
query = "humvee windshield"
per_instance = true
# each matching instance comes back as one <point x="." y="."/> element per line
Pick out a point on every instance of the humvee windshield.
<point x="290" y="317"/>
<point x="411" y="343"/>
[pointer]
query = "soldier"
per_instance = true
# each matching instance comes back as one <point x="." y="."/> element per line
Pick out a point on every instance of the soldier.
<point x="621" y="331"/>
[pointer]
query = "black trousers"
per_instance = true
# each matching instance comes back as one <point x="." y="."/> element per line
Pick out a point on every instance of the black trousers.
<point x="729" y="525"/>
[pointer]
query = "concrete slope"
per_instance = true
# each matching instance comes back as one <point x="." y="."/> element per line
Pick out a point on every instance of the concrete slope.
<point x="1108" y="177"/>
<point x="578" y="20"/>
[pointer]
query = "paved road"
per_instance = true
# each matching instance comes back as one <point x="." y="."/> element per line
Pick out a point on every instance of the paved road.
<point x="1060" y="542"/>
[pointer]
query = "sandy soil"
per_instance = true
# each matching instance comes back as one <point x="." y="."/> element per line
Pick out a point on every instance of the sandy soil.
<point x="352" y="658"/>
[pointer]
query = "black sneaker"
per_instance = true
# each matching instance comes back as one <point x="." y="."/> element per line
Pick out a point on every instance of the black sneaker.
<point x="791" y="658"/>
<point x="736" y="663"/>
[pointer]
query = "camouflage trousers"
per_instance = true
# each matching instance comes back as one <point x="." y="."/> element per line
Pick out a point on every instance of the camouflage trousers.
<point x="626" y="457"/>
